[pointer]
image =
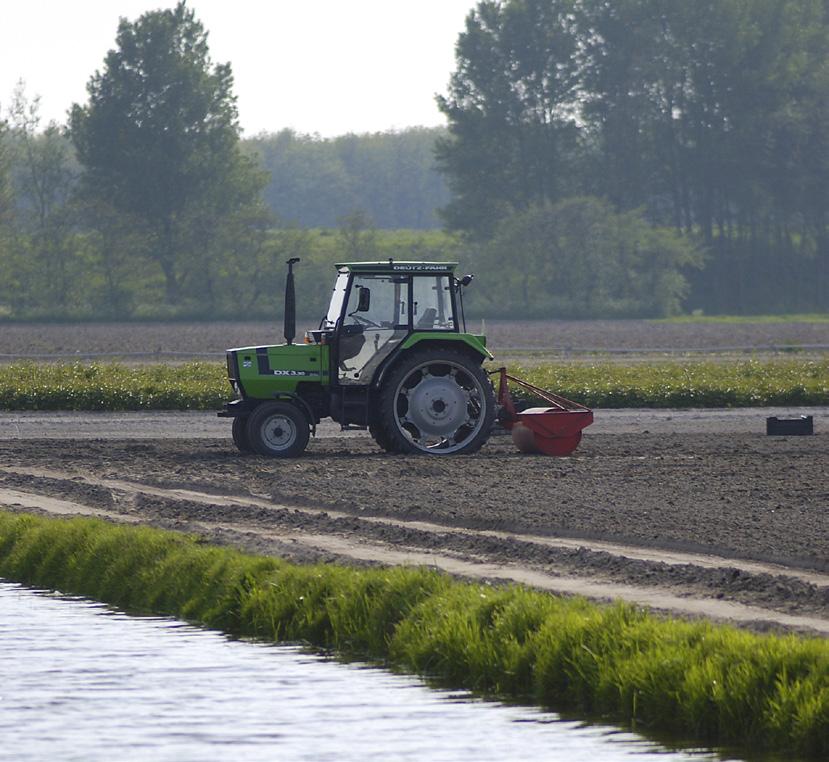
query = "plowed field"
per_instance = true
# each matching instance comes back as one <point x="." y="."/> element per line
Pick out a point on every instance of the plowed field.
<point x="728" y="525"/>
<point x="507" y="337"/>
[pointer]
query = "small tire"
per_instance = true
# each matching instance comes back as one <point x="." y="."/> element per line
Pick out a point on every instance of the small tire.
<point x="278" y="430"/>
<point x="239" y="432"/>
<point x="437" y="401"/>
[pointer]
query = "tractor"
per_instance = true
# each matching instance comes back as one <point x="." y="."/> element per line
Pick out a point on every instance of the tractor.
<point x="392" y="355"/>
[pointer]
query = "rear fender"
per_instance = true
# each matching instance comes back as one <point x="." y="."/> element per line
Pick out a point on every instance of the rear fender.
<point x="477" y="343"/>
<point x="464" y="342"/>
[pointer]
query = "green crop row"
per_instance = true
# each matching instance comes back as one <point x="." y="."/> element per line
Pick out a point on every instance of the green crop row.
<point x="204" y="386"/>
<point x="113" y="386"/>
<point x="715" y="684"/>
<point x="812" y="317"/>
<point x="675" y="385"/>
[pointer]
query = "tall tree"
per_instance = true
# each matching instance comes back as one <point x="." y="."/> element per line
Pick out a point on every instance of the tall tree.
<point x="6" y="216"/>
<point x="43" y="178"/>
<point x="159" y="141"/>
<point x="510" y="110"/>
<point x="6" y="201"/>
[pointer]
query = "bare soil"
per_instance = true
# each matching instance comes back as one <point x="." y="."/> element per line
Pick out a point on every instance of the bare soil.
<point x="729" y="525"/>
<point x="567" y="337"/>
<point x="698" y="512"/>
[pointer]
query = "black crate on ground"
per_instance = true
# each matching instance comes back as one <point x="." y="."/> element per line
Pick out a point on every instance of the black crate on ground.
<point x="790" y="426"/>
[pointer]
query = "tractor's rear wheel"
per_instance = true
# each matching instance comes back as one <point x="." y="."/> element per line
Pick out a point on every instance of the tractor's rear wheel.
<point x="378" y="433"/>
<point x="239" y="433"/>
<point x="437" y="401"/>
<point x="278" y="429"/>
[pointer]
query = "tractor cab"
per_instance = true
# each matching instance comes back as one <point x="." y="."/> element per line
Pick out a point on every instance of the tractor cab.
<point x="376" y="306"/>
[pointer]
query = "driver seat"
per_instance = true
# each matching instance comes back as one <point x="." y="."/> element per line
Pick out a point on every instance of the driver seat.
<point x="427" y="320"/>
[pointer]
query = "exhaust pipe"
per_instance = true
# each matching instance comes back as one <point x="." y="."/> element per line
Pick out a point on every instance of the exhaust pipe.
<point x="290" y="302"/>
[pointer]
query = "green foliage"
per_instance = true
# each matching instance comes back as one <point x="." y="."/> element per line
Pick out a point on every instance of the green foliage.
<point x="577" y="259"/>
<point x="204" y="385"/>
<point x="159" y="146"/>
<point x="743" y="384"/>
<point x="711" y="116"/>
<point x="245" y="279"/>
<point x="192" y="386"/>
<point x="712" y="683"/>
<point x="6" y="213"/>
<point x="43" y="266"/>
<point x="761" y="319"/>
<point x="512" y="135"/>
<point x="389" y="176"/>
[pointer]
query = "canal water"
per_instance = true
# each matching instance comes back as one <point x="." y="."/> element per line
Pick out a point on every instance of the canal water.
<point x="79" y="681"/>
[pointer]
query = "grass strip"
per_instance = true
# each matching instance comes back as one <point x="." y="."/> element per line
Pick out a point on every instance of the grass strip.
<point x="808" y="317"/>
<point x="695" y="680"/>
<point x="204" y="386"/>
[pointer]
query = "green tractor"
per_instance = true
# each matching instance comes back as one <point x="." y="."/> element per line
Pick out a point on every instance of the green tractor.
<point x="392" y="355"/>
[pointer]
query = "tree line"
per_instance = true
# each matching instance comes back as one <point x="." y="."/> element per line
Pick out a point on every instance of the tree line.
<point x="390" y="176"/>
<point x="708" y="116"/>
<point x="148" y="203"/>
<point x="633" y="158"/>
<point x="67" y="252"/>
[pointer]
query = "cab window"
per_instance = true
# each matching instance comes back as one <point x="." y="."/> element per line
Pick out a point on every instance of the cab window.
<point x="432" y="304"/>
<point x="336" y="305"/>
<point x="378" y="301"/>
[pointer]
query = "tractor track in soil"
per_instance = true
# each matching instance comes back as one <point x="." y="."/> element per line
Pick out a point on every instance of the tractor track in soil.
<point x="733" y="527"/>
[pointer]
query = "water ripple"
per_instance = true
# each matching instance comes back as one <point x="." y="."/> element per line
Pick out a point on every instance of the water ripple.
<point x="79" y="681"/>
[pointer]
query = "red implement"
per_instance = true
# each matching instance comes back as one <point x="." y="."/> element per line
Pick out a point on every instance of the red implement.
<point x="554" y="430"/>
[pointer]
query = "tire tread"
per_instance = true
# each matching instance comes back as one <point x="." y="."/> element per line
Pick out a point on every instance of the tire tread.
<point x="387" y="411"/>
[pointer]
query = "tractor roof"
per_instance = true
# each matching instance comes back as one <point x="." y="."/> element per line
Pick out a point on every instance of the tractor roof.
<point x="397" y="266"/>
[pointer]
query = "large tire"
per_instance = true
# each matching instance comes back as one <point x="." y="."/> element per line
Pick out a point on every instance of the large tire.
<point x="437" y="401"/>
<point x="278" y="429"/>
<point x="239" y="432"/>
<point x="378" y="432"/>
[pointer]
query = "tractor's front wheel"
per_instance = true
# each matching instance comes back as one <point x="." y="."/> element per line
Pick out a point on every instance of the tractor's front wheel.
<point x="278" y="429"/>
<point x="438" y="401"/>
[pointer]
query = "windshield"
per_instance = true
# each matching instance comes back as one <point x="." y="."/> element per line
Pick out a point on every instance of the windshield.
<point x="335" y="308"/>
<point x="388" y="298"/>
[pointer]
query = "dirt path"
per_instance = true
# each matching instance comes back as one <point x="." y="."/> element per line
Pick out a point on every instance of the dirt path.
<point x="727" y="525"/>
<point x="157" y="424"/>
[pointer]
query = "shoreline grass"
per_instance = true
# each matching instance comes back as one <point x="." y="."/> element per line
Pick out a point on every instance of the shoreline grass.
<point x="204" y="386"/>
<point x="694" y="680"/>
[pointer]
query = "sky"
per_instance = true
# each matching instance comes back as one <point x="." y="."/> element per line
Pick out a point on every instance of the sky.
<point x="316" y="66"/>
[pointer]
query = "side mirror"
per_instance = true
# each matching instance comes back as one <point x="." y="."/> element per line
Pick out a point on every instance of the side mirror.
<point x="364" y="300"/>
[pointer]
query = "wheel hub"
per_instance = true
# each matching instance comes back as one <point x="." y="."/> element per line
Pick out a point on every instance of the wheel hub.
<point x="437" y="406"/>
<point x="279" y="431"/>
